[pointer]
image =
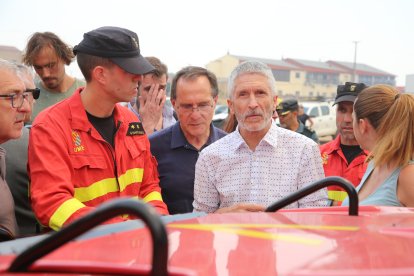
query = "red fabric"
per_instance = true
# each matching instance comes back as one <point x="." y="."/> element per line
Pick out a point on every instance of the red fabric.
<point x="335" y="163"/>
<point x="66" y="151"/>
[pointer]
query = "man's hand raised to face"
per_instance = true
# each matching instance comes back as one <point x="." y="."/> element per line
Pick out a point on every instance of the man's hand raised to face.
<point x="151" y="106"/>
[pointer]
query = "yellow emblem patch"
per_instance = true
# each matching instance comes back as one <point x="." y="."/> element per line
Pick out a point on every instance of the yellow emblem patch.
<point x="324" y="158"/>
<point x="77" y="142"/>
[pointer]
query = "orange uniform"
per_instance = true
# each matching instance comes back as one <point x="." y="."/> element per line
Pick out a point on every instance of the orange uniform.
<point x="335" y="164"/>
<point x="73" y="169"/>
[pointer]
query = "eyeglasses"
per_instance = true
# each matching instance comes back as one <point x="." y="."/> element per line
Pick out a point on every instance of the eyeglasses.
<point x="201" y="107"/>
<point x="17" y="99"/>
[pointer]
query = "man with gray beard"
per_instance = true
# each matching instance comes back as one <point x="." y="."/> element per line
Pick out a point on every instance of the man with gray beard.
<point x="259" y="163"/>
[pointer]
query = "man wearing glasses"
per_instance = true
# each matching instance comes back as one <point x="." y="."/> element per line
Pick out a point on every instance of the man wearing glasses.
<point x="14" y="105"/>
<point x="48" y="55"/>
<point x="194" y="95"/>
<point x="16" y="163"/>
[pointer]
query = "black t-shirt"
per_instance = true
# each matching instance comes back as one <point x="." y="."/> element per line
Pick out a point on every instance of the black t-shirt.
<point x="105" y="127"/>
<point x="351" y="152"/>
<point x="303" y="118"/>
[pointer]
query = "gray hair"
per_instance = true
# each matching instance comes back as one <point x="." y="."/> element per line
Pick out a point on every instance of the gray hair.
<point x="7" y="65"/>
<point x="251" y="67"/>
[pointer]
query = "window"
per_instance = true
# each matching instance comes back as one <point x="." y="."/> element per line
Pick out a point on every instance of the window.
<point x="297" y="75"/>
<point x="325" y="110"/>
<point x="314" y="112"/>
<point x="281" y="75"/>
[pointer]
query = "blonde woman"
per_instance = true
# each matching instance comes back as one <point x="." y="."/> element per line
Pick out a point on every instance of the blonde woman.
<point x="383" y="122"/>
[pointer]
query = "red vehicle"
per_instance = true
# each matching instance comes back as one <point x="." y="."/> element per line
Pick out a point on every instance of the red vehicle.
<point x="321" y="241"/>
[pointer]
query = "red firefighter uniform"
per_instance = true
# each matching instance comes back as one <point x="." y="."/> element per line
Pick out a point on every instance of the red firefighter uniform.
<point x="72" y="169"/>
<point x="335" y="164"/>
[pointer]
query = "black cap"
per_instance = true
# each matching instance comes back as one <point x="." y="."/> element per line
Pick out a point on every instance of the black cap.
<point x="348" y="92"/>
<point x="120" y="45"/>
<point x="287" y="106"/>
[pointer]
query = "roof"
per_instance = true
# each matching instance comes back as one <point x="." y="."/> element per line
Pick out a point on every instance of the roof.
<point x="314" y="66"/>
<point x="361" y="69"/>
<point x="272" y="63"/>
<point x="10" y="53"/>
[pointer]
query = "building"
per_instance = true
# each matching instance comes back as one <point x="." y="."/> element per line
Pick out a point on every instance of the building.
<point x="303" y="78"/>
<point x="409" y="83"/>
<point x="10" y="53"/>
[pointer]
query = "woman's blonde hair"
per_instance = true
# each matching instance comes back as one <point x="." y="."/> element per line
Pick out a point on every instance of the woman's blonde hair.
<point x="392" y="116"/>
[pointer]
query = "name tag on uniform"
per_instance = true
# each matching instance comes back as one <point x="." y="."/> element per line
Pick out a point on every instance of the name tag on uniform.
<point x="135" y="128"/>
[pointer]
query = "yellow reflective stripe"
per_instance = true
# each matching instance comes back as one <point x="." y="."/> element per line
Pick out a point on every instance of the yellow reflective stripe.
<point x="96" y="190"/>
<point x="214" y="227"/>
<point x="65" y="210"/>
<point x="152" y="196"/>
<point x="109" y="185"/>
<point x="337" y="195"/>
<point x="129" y="177"/>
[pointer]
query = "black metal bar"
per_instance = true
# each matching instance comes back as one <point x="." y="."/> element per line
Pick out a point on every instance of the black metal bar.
<point x="320" y="184"/>
<point x="102" y="213"/>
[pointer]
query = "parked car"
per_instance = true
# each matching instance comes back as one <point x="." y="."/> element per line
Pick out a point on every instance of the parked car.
<point x="220" y="114"/>
<point x="323" y="116"/>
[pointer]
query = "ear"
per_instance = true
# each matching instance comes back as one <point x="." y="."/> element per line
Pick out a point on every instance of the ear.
<point x="215" y="100"/>
<point x="99" y="74"/>
<point x="230" y="106"/>
<point x="274" y="102"/>
<point x="364" y="125"/>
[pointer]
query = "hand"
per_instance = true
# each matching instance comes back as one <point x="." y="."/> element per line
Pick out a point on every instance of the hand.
<point x="241" y="207"/>
<point x="150" y="110"/>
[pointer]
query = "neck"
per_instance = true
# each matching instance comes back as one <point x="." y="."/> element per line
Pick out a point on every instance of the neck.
<point x="348" y="141"/>
<point x="295" y="125"/>
<point x="96" y="103"/>
<point x="64" y="86"/>
<point x="197" y="141"/>
<point x="253" y="138"/>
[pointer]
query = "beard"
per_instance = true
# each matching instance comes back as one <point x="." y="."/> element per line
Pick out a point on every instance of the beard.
<point x="254" y="126"/>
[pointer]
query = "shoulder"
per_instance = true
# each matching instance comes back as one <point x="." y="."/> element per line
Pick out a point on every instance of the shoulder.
<point x="405" y="185"/>
<point x="293" y="138"/>
<point x="218" y="133"/>
<point x="162" y="133"/>
<point x="222" y="145"/>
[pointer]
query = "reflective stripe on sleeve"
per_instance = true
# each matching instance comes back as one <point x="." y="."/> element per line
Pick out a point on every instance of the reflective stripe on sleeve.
<point x="65" y="210"/>
<point x="108" y="185"/>
<point x="129" y="177"/>
<point x="152" y="196"/>
<point x="337" y="195"/>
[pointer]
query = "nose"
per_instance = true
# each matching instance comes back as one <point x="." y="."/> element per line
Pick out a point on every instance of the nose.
<point x="348" y="117"/>
<point x="252" y="101"/>
<point x="44" y="72"/>
<point x="26" y="107"/>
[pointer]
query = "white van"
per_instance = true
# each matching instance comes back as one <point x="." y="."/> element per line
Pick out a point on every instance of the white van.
<point x="323" y="116"/>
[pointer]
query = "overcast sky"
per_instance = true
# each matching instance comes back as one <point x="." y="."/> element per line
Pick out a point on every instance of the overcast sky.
<point x="195" y="32"/>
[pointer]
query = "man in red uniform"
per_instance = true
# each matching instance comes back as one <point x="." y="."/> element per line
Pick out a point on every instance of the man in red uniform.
<point x="87" y="149"/>
<point x="343" y="156"/>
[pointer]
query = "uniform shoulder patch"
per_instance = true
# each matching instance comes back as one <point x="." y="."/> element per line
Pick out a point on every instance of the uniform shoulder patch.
<point x="135" y="128"/>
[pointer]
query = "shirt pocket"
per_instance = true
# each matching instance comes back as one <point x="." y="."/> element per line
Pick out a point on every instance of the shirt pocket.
<point x="85" y="162"/>
<point x="136" y="146"/>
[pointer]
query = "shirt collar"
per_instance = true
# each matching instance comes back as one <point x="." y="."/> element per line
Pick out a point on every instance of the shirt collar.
<point x="178" y="139"/>
<point x="270" y="138"/>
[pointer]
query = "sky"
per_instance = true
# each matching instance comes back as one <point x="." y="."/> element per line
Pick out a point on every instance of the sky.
<point x="191" y="32"/>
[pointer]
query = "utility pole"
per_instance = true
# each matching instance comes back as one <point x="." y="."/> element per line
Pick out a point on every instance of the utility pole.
<point x="355" y="58"/>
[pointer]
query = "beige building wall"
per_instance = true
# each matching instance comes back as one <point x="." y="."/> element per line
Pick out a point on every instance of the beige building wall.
<point x="297" y="86"/>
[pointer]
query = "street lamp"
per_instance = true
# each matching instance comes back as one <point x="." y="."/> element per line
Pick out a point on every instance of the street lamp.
<point x="355" y="57"/>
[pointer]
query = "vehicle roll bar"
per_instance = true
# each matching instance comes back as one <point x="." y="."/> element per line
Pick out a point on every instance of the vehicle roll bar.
<point x="320" y="184"/>
<point x="104" y="212"/>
